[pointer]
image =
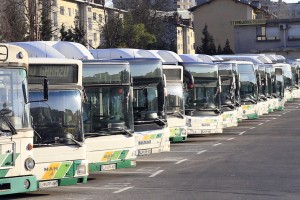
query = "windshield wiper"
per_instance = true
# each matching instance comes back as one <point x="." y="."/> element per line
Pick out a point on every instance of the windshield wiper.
<point x="75" y="141"/>
<point x="176" y="113"/>
<point x="9" y="124"/>
<point x="118" y="129"/>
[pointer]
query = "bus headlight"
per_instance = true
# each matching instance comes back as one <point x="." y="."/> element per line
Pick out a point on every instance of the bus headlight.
<point x="29" y="164"/>
<point x="81" y="170"/>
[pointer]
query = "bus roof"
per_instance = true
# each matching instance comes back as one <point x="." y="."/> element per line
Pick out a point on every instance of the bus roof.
<point x="39" y="50"/>
<point x="13" y="54"/>
<point x="72" y="50"/>
<point x="190" y="58"/>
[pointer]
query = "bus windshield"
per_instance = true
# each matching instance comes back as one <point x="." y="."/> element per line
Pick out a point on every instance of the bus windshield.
<point x="108" y="109"/>
<point x="204" y="95"/>
<point x="245" y="68"/>
<point x="174" y="100"/>
<point x="12" y="103"/>
<point x="145" y="100"/>
<point x="228" y="92"/>
<point x="248" y="90"/>
<point x="58" y="120"/>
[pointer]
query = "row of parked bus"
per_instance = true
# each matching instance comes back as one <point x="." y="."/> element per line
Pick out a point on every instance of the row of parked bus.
<point x="66" y="111"/>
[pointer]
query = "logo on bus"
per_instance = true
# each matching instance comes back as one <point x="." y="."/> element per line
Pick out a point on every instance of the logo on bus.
<point x="144" y="142"/>
<point x="50" y="169"/>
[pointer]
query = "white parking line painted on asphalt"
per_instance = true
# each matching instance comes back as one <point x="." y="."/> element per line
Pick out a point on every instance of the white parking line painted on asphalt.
<point x="200" y="152"/>
<point x="156" y="173"/>
<point x="274" y="118"/>
<point x="231" y="138"/>
<point x="260" y="124"/>
<point x="122" y="190"/>
<point x="267" y="120"/>
<point x="252" y="128"/>
<point x="274" y="115"/>
<point x="180" y="161"/>
<point x="241" y="133"/>
<point x="217" y="144"/>
<point x="284" y="113"/>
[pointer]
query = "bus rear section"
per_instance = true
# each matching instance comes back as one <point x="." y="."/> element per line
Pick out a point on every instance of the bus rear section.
<point x="59" y="148"/>
<point x="16" y="136"/>
<point x="108" y="115"/>
<point x="202" y="98"/>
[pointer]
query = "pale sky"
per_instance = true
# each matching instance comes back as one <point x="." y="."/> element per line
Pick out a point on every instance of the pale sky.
<point x="291" y="1"/>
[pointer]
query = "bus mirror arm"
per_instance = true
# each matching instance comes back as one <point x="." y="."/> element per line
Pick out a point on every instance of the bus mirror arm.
<point x="46" y="89"/>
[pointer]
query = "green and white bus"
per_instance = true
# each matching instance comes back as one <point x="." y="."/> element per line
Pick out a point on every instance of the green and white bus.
<point x="59" y="148"/>
<point x="108" y="115"/>
<point x="17" y="160"/>
<point x="151" y="130"/>
<point x="202" y="101"/>
<point x="228" y="92"/>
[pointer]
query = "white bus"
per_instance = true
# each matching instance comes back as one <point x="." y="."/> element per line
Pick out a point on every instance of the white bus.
<point x="17" y="160"/>
<point x="108" y="115"/>
<point x="151" y="131"/>
<point x="59" y="148"/>
<point x="202" y="101"/>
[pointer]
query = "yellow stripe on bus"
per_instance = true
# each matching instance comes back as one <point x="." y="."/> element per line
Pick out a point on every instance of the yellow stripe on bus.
<point x="51" y="170"/>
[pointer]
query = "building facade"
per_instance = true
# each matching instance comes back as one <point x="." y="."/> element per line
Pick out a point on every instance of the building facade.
<point x="281" y="36"/>
<point x="217" y="15"/>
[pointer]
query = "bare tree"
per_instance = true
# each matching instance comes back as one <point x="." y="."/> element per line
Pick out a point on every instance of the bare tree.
<point x="13" y="22"/>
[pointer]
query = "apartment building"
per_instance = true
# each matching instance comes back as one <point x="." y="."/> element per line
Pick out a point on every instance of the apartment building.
<point x="184" y="4"/>
<point x="280" y="36"/>
<point x="217" y="15"/>
<point x="90" y="14"/>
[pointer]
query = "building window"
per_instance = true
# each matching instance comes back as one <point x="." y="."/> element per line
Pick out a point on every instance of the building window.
<point x="62" y="10"/>
<point x="95" y="37"/>
<point x="100" y="18"/>
<point x="264" y="33"/>
<point x="90" y="25"/>
<point x="89" y="9"/>
<point x="70" y="12"/>
<point x="94" y="16"/>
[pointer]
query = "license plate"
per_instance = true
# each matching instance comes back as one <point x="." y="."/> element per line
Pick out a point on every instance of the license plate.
<point x="47" y="184"/>
<point x="143" y="152"/>
<point x="205" y="131"/>
<point x="108" y="167"/>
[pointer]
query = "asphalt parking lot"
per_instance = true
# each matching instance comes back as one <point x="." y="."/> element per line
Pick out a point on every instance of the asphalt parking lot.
<point x="259" y="159"/>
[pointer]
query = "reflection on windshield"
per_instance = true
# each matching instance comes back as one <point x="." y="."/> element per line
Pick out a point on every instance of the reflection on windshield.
<point x="58" y="119"/>
<point x="278" y="86"/>
<point x="203" y="95"/>
<point x="174" y="100"/>
<point x="12" y="103"/>
<point x="248" y="90"/>
<point x="227" y="90"/>
<point x="107" y="107"/>
<point x="145" y="100"/>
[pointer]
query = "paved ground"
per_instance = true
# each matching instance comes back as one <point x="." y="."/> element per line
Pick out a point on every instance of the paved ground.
<point x="257" y="160"/>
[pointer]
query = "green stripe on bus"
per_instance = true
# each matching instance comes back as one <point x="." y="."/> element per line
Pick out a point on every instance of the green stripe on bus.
<point x="159" y="135"/>
<point x="153" y="136"/>
<point x="116" y="155"/>
<point x="123" y="154"/>
<point x="8" y="161"/>
<point x="64" y="167"/>
<point x="3" y="172"/>
<point x="2" y="158"/>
